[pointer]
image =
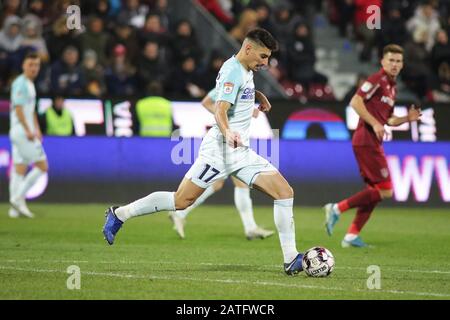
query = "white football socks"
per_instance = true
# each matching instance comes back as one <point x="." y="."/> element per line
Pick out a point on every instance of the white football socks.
<point x="15" y="182"/>
<point x="336" y="208"/>
<point x="29" y="180"/>
<point x="154" y="202"/>
<point x="205" y="195"/>
<point x="284" y="221"/>
<point x="244" y="205"/>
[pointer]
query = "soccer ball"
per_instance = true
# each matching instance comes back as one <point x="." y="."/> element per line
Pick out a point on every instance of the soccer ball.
<point x="318" y="262"/>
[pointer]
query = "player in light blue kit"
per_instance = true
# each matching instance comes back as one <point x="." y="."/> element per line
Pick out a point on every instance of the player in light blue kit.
<point x="225" y="151"/>
<point x="242" y="199"/>
<point x="26" y="137"/>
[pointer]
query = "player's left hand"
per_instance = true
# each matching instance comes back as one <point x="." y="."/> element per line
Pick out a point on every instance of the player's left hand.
<point x="255" y="113"/>
<point x="265" y="106"/>
<point x="414" y="113"/>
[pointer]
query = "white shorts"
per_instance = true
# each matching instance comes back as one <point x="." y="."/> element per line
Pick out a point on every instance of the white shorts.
<point x="217" y="161"/>
<point x="25" y="151"/>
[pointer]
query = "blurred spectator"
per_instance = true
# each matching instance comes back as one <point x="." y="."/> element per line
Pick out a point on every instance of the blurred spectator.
<point x="247" y="21"/>
<point x="10" y="36"/>
<point x="58" y="120"/>
<point x="416" y="72"/>
<point x="32" y="36"/>
<point x="161" y="8"/>
<point x="365" y="35"/>
<point x="209" y="75"/>
<point x="10" y="41"/>
<point x="133" y="13"/>
<point x="184" y="43"/>
<point x="394" y="30"/>
<point x="425" y="18"/>
<point x="153" y="31"/>
<point x="263" y="12"/>
<point x="440" y="62"/>
<point x="10" y="8"/>
<point x="38" y="8"/>
<point x="301" y="57"/>
<point x="60" y="38"/>
<point x="66" y="76"/>
<point x="154" y="113"/>
<point x="346" y="11"/>
<point x="125" y="35"/>
<point x="152" y="66"/>
<point x="95" y="39"/>
<point x="120" y="75"/>
<point x="93" y="74"/>
<point x="188" y="80"/>
<point x="283" y="24"/>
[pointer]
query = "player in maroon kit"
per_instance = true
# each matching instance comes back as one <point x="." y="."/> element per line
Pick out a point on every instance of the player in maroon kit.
<point x="374" y="103"/>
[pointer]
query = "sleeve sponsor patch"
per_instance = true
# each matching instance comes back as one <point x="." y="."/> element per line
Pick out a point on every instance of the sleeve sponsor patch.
<point x="228" y="87"/>
<point x="366" y="87"/>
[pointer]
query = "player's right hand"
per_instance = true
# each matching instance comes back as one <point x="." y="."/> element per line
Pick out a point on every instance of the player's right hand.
<point x="379" y="131"/>
<point x="233" y="139"/>
<point x="30" y="135"/>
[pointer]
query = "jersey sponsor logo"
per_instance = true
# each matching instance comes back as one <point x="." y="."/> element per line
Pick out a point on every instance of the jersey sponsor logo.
<point x="384" y="172"/>
<point x="248" y="94"/>
<point x="228" y="87"/>
<point x="366" y="87"/>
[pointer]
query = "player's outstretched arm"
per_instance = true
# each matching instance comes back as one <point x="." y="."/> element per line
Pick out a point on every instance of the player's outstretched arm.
<point x="357" y="103"/>
<point x="413" y="115"/>
<point x="233" y="139"/>
<point x="208" y="104"/>
<point x="264" y="104"/>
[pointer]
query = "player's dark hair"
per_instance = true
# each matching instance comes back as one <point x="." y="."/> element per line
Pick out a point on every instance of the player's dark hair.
<point x="263" y="38"/>
<point x="31" y="55"/>
<point x="392" y="48"/>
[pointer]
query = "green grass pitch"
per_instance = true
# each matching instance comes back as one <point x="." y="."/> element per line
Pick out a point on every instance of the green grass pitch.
<point x="215" y="261"/>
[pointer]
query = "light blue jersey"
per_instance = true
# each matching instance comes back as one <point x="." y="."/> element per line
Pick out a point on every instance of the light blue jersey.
<point x="23" y="94"/>
<point x="235" y="85"/>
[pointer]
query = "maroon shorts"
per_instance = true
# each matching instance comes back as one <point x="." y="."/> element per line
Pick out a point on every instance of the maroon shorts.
<point x="373" y="166"/>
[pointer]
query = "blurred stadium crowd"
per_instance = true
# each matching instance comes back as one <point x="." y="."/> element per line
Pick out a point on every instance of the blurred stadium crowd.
<point x="137" y="47"/>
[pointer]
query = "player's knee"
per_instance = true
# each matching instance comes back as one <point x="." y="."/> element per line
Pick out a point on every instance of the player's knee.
<point x="285" y="193"/>
<point x="386" y="194"/>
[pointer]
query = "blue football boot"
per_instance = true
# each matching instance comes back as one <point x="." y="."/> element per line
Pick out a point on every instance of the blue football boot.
<point x="331" y="217"/>
<point x="357" y="243"/>
<point x="295" y="266"/>
<point x="112" y="225"/>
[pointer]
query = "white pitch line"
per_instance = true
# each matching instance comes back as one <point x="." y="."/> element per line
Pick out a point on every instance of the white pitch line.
<point x="207" y="264"/>
<point x="230" y="281"/>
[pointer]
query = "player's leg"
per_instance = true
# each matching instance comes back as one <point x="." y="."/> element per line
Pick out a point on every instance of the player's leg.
<point x="363" y="213"/>
<point x="24" y="152"/>
<point x="218" y="185"/>
<point x="17" y="176"/>
<point x="179" y="217"/>
<point x="275" y="185"/>
<point x="244" y="205"/>
<point x="186" y="194"/>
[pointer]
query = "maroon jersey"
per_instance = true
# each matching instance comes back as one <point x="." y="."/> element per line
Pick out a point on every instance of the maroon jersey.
<point x="378" y="93"/>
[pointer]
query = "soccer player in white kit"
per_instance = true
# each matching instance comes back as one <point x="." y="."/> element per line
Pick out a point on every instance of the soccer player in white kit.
<point x="225" y="151"/>
<point x="242" y="199"/>
<point x="26" y="137"/>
